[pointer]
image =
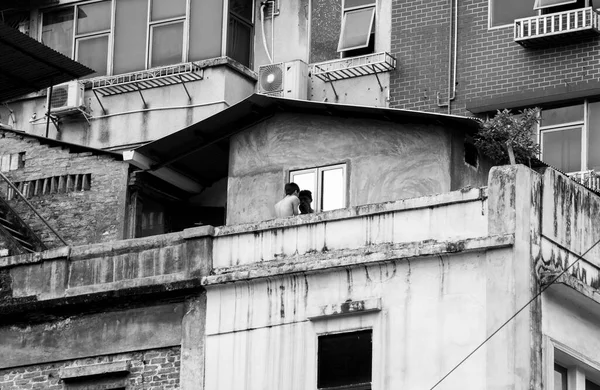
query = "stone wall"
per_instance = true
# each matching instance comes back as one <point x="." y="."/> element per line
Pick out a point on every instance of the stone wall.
<point x="151" y="369"/>
<point x="82" y="195"/>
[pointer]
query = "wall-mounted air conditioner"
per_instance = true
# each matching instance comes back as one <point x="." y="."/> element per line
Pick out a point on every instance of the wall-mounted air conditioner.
<point x="66" y="98"/>
<point x="285" y="79"/>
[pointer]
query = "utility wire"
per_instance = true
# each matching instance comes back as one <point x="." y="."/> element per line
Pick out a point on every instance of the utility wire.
<point x="514" y="315"/>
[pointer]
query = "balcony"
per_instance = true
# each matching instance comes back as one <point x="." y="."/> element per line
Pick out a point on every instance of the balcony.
<point x="589" y="179"/>
<point x="561" y="27"/>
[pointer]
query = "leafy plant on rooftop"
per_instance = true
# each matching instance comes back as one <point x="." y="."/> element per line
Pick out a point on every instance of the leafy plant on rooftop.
<point x="509" y="137"/>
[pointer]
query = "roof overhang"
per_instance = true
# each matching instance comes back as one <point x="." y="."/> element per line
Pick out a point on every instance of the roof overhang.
<point x="201" y="151"/>
<point x="29" y="66"/>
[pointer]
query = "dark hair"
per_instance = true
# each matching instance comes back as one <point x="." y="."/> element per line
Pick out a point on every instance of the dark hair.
<point x="306" y="194"/>
<point x="290" y="188"/>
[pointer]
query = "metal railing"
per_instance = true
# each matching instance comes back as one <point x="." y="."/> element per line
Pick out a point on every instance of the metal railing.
<point x="16" y="191"/>
<point x="556" y="23"/>
<point x="590" y="179"/>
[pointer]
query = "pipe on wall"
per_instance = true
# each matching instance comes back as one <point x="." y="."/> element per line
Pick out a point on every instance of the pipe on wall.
<point x="452" y="56"/>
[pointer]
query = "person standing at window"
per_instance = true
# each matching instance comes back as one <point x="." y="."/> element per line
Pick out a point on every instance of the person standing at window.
<point x="306" y="199"/>
<point x="288" y="206"/>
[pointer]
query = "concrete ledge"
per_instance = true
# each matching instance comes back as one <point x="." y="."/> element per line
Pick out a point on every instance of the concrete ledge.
<point x="355" y="257"/>
<point x="448" y="198"/>
<point x="345" y="308"/>
<point x="96" y="369"/>
<point x="201" y="231"/>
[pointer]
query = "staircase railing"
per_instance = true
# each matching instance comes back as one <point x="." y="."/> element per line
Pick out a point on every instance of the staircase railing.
<point x="16" y="190"/>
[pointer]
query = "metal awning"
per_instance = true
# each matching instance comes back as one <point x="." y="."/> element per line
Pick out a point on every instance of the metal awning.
<point x="28" y="66"/>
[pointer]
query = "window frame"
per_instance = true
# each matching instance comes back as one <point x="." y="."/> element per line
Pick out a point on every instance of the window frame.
<point x="318" y="183"/>
<point x="111" y="32"/>
<point x="537" y="7"/>
<point x="373" y="25"/>
<point x="579" y="367"/>
<point x="354" y="322"/>
<point x="228" y="14"/>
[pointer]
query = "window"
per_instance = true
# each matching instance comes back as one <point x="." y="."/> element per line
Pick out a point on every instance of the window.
<point x="504" y="12"/>
<point x="327" y="184"/>
<point x="240" y="31"/>
<point x="120" y="36"/>
<point x="572" y="370"/>
<point x="560" y="377"/>
<point x="357" y="35"/>
<point x="539" y="4"/>
<point x="345" y="360"/>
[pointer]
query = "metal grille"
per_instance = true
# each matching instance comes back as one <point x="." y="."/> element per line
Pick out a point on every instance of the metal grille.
<point x="346" y="68"/>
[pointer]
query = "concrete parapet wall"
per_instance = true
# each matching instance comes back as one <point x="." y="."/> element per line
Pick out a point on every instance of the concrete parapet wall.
<point x="128" y="264"/>
<point x="454" y="215"/>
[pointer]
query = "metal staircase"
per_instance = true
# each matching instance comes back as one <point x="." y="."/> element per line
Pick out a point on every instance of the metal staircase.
<point x="15" y="234"/>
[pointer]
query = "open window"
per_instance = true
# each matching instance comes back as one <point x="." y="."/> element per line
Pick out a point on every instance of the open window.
<point x="345" y="360"/>
<point x="327" y="185"/>
<point x="552" y="6"/>
<point x="357" y="35"/>
<point x="240" y="31"/>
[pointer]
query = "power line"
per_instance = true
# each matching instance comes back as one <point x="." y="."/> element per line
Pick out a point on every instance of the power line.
<point x="514" y="315"/>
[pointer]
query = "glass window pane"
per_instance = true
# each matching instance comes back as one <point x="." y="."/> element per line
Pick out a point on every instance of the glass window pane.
<point x="242" y="8"/>
<point x="333" y="189"/>
<point x="130" y="36"/>
<point x="506" y="11"/>
<point x="556" y="116"/>
<point x="562" y="149"/>
<point x="357" y="3"/>
<point x="539" y="4"/>
<point x="93" y="17"/>
<point x="305" y="180"/>
<point x="560" y="377"/>
<point x="589" y="385"/>
<point x="206" y="25"/>
<point x="345" y="359"/>
<point x="594" y="136"/>
<point x="93" y="52"/>
<point x="356" y="29"/>
<point x="239" y="41"/>
<point x="167" y="44"/>
<point x="165" y="9"/>
<point x="57" y="30"/>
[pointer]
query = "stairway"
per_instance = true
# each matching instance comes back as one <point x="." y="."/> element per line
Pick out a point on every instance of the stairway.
<point x="15" y="235"/>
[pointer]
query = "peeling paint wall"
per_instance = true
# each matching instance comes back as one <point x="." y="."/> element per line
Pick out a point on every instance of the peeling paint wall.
<point x="386" y="161"/>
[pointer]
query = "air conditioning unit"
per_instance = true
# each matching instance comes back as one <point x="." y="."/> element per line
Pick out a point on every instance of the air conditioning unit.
<point x="285" y="79"/>
<point x="66" y="98"/>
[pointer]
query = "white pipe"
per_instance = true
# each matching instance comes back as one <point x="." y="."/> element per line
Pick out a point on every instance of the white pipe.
<point x="161" y="108"/>
<point x="262" y="28"/>
<point x="272" y="30"/>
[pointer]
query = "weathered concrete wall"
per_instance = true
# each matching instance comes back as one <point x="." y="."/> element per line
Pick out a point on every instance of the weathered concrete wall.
<point x="92" y="335"/>
<point x="126" y="264"/>
<point x="386" y="161"/>
<point x="81" y="216"/>
<point x="437" y="298"/>
<point x="127" y="121"/>
<point x="158" y="368"/>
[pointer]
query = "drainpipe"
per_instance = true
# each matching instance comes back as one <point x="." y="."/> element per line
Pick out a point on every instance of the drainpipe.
<point x="452" y="56"/>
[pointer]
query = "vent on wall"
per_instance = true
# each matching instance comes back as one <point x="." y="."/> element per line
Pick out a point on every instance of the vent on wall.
<point x="52" y="185"/>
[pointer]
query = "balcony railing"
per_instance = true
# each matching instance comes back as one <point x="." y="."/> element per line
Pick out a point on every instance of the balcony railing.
<point x="543" y="30"/>
<point x="590" y="179"/>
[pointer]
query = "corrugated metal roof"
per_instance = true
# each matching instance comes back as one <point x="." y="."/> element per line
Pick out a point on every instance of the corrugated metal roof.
<point x="201" y="150"/>
<point x="27" y="66"/>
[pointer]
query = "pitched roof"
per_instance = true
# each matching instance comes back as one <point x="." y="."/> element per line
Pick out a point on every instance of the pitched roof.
<point x="28" y="66"/>
<point x="72" y="148"/>
<point x="198" y="150"/>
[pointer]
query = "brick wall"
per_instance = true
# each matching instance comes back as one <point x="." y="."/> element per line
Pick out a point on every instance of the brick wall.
<point x="82" y="214"/>
<point x="492" y="68"/>
<point x="152" y="369"/>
